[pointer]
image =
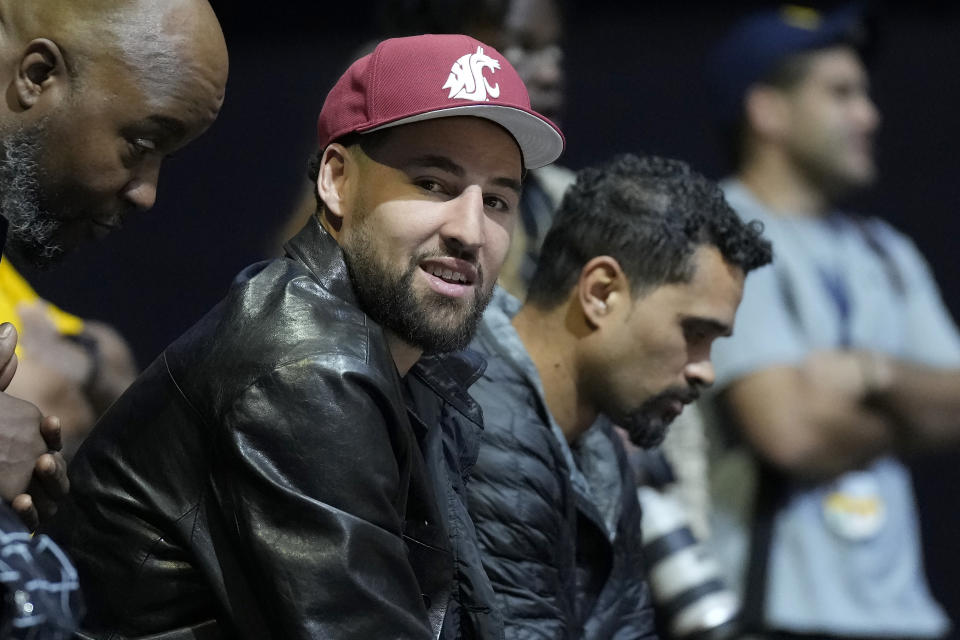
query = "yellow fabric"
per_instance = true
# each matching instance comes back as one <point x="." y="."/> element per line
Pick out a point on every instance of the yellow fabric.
<point x="15" y="290"/>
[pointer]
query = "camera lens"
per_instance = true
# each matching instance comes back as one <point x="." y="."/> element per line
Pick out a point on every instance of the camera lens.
<point x="690" y="596"/>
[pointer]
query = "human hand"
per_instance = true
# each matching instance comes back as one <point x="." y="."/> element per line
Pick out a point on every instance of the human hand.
<point x="58" y="374"/>
<point x="21" y="444"/>
<point x="30" y="446"/>
<point x="8" y="355"/>
<point x="49" y="483"/>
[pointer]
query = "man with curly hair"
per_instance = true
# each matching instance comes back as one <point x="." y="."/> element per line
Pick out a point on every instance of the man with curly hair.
<point x="641" y="271"/>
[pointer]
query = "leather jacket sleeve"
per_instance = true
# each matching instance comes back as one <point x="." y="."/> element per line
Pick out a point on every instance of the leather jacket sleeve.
<point x="306" y="471"/>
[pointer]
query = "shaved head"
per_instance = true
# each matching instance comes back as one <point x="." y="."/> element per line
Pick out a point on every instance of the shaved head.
<point x="154" y="37"/>
<point x="98" y="93"/>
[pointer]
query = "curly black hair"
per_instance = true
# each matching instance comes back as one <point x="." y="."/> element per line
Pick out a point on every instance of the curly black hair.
<point x="650" y="214"/>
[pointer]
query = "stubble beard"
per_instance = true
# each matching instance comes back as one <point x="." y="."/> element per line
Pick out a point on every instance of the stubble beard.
<point x="434" y="323"/>
<point x="829" y="170"/>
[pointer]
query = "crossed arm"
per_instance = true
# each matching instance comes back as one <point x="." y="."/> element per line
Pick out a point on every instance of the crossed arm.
<point x="839" y="410"/>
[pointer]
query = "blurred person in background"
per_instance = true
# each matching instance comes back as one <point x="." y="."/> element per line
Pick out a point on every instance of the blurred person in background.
<point x="531" y="36"/>
<point x="642" y="270"/>
<point x="845" y="361"/>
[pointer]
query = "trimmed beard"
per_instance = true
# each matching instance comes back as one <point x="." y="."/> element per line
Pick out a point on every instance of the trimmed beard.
<point x="646" y="429"/>
<point x="647" y="424"/>
<point x="388" y="297"/>
<point x="32" y="229"/>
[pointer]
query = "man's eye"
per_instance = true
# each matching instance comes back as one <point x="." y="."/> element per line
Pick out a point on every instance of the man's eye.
<point x="429" y="184"/>
<point x="495" y="202"/>
<point x="142" y="146"/>
<point x="846" y="91"/>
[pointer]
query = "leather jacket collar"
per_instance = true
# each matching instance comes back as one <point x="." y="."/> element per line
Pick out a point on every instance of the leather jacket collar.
<point x="319" y="252"/>
<point x="447" y="374"/>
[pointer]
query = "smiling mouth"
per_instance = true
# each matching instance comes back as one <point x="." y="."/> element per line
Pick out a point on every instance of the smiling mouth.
<point x="451" y="270"/>
<point x="447" y="275"/>
<point x="450" y="277"/>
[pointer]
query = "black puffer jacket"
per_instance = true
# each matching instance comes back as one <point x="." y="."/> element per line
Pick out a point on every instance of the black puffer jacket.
<point x="559" y="527"/>
<point x="272" y="471"/>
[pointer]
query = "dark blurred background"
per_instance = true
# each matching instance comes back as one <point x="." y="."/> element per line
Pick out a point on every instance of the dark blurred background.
<point x="634" y="83"/>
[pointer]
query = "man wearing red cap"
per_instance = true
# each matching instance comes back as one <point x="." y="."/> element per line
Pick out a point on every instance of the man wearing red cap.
<point x="293" y="466"/>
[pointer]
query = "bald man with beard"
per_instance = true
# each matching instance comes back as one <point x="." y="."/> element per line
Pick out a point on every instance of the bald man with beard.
<point x="97" y="94"/>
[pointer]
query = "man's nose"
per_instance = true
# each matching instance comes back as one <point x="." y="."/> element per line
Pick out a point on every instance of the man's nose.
<point x="869" y="114"/>
<point x="463" y="228"/>
<point x="700" y="373"/>
<point x="141" y="191"/>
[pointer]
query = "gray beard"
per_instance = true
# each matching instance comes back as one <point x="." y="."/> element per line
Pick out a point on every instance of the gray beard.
<point x="388" y="298"/>
<point x="32" y="229"/>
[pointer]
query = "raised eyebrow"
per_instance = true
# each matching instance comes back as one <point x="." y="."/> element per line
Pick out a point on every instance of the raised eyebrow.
<point x="446" y="164"/>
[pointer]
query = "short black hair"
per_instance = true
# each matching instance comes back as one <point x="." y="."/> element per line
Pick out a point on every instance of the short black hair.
<point x="648" y="213"/>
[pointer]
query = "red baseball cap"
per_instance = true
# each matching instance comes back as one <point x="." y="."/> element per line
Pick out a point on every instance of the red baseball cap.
<point x="437" y="76"/>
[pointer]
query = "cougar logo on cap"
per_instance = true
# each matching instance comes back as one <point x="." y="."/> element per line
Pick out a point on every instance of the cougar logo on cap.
<point x="466" y="80"/>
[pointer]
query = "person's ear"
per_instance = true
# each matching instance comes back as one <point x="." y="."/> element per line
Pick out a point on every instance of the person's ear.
<point x="602" y="290"/>
<point x="332" y="181"/>
<point x="40" y="71"/>
<point x="767" y="112"/>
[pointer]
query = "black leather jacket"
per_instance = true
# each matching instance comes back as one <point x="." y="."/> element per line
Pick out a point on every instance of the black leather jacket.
<point x="271" y="470"/>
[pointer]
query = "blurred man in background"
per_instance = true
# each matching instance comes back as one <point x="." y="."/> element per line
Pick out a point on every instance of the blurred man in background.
<point x="531" y="36"/>
<point x="845" y="360"/>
